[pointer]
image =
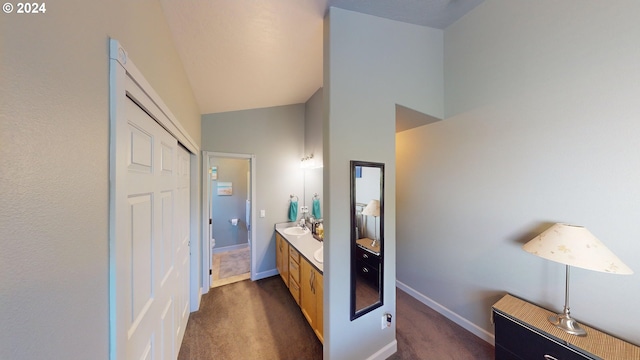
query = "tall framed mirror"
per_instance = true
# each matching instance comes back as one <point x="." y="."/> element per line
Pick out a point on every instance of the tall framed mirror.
<point x="367" y="236"/>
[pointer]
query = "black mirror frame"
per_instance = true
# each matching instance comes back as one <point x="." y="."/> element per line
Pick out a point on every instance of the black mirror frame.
<point x="354" y="312"/>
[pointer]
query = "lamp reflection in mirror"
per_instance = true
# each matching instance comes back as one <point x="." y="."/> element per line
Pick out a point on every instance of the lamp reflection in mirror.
<point x="373" y="209"/>
<point x="573" y="245"/>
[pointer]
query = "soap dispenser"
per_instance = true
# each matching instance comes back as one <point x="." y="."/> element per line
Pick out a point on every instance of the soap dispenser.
<point x="312" y="225"/>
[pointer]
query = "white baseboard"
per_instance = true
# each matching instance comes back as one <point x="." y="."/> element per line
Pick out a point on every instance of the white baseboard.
<point x="388" y="350"/>
<point x="196" y="304"/>
<point x="466" y="324"/>
<point x="265" y="274"/>
<point x="229" y="248"/>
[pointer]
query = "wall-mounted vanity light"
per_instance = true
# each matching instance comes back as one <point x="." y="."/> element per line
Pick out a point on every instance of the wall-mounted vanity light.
<point x="308" y="162"/>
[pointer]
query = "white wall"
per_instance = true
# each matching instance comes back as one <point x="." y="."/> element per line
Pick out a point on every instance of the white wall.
<point x="370" y="65"/>
<point x="313" y="119"/>
<point x="54" y="176"/>
<point x="276" y="136"/>
<point x="313" y="122"/>
<point x="542" y="127"/>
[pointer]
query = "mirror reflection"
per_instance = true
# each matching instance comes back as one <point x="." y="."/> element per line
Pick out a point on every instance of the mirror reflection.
<point x="313" y="191"/>
<point x="367" y="240"/>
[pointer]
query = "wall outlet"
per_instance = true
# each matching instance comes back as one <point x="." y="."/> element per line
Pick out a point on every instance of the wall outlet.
<point x="263" y="213"/>
<point x="386" y="321"/>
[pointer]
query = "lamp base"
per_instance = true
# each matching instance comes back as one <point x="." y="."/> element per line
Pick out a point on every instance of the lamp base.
<point x="568" y="324"/>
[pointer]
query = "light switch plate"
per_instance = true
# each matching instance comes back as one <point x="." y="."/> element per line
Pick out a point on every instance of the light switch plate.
<point x="263" y="213"/>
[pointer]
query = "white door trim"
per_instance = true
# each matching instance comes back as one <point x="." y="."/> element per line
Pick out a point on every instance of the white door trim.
<point x="147" y="98"/>
<point x="125" y="80"/>
<point x="206" y="194"/>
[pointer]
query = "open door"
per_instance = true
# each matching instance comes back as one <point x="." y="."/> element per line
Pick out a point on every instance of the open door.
<point x="228" y="217"/>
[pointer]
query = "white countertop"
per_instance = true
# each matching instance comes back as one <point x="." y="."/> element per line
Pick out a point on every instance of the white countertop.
<point x="306" y="245"/>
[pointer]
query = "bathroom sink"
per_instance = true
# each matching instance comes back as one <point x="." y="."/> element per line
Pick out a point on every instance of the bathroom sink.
<point x="319" y="254"/>
<point x="296" y="230"/>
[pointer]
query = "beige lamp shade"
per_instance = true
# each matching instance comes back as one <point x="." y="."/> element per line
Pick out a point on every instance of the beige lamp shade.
<point x="372" y="208"/>
<point x="575" y="246"/>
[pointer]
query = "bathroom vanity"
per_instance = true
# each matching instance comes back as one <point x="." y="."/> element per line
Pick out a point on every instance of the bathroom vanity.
<point x="302" y="273"/>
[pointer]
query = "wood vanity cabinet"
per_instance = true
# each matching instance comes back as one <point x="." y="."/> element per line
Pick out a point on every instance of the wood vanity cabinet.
<point x="522" y="332"/>
<point x="294" y="274"/>
<point x="282" y="258"/>
<point x="311" y="293"/>
<point x="304" y="282"/>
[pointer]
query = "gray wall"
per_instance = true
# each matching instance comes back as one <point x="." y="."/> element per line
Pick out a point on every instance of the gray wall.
<point x="54" y="161"/>
<point x="276" y="137"/>
<point x="371" y="64"/>
<point x="313" y="120"/>
<point x="224" y="208"/>
<point x="542" y="127"/>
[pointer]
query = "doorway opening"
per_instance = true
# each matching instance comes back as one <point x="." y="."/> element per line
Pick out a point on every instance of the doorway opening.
<point x="228" y="198"/>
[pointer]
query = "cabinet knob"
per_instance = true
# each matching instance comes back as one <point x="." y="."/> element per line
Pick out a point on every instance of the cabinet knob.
<point x="549" y="357"/>
<point x="365" y="256"/>
<point x="365" y="270"/>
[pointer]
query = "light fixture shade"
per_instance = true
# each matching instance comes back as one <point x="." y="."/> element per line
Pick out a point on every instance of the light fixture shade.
<point x="575" y="246"/>
<point x="372" y="209"/>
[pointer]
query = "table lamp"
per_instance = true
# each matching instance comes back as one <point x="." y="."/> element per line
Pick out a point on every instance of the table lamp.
<point x="574" y="245"/>
<point x="373" y="209"/>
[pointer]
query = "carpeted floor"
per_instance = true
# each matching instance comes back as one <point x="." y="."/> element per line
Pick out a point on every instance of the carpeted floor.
<point x="249" y="320"/>
<point x="423" y="333"/>
<point x="230" y="266"/>
<point x="260" y="320"/>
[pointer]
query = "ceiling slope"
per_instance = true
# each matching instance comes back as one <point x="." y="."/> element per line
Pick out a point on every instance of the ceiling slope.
<point x="247" y="54"/>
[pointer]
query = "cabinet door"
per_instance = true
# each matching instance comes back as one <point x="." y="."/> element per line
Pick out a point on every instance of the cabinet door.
<point x="319" y="327"/>
<point x="278" y="254"/>
<point x="282" y="258"/>
<point x="308" y="292"/>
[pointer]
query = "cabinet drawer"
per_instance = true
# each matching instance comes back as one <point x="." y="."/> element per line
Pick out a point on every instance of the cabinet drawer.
<point x="367" y="272"/>
<point x="372" y="260"/>
<point x="294" y="270"/>
<point x="294" y="288"/>
<point x="504" y="354"/>
<point x="515" y="341"/>
<point x="294" y="254"/>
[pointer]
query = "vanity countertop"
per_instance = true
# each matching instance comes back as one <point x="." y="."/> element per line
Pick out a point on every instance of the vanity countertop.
<point x="306" y="245"/>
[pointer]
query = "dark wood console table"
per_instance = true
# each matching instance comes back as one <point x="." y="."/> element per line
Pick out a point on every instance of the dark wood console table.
<point x="523" y="332"/>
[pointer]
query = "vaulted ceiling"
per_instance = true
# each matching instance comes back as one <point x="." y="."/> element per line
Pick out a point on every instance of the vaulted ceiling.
<point x="247" y="54"/>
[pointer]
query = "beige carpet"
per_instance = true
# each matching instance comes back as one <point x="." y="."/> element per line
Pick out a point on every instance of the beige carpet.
<point x="249" y="320"/>
<point x="231" y="266"/>
<point x="260" y="320"/>
<point x="423" y="333"/>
